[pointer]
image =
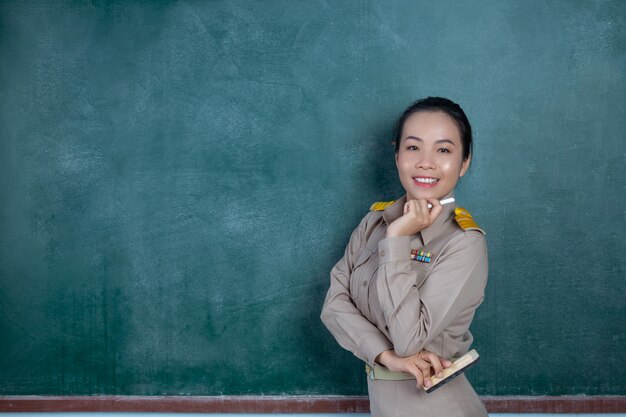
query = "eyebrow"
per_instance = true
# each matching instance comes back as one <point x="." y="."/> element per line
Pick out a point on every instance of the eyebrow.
<point x="437" y="141"/>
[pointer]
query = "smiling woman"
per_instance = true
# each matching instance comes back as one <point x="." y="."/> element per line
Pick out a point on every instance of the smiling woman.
<point x="404" y="294"/>
<point x="430" y="158"/>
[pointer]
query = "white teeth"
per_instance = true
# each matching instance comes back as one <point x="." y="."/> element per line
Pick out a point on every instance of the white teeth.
<point x="426" y="180"/>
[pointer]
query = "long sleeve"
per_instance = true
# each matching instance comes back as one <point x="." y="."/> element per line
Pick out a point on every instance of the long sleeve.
<point x="415" y="314"/>
<point x="350" y="328"/>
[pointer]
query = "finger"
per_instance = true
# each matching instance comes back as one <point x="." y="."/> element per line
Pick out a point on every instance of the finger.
<point x="424" y="367"/>
<point x="413" y="370"/>
<point x="423" y="206"/>
<point x="435" y="362"/>
<point x="428" y="382"/>
<point x="435" y="211"/>
<point x="417" y="370"/>
<point x="412" y="206"/>
<point x="406" y="208"/>
<point x="419" y="378"/>
<point x="434" y="203"/>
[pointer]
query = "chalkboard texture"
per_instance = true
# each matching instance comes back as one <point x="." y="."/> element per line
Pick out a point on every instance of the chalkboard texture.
<point x="177" y="178"/>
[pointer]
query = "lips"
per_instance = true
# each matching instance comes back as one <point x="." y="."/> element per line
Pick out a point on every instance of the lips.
<point x="426" y="182"/>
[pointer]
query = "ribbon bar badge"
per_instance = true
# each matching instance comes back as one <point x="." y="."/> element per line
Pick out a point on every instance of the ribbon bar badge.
<point x="420" y="255"/>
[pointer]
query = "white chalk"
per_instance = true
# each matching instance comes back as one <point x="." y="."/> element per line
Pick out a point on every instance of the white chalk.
<point x="443" y="202"/>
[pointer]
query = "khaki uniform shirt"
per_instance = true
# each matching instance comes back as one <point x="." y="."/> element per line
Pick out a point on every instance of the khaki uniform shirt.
<point x="380" y="298"/>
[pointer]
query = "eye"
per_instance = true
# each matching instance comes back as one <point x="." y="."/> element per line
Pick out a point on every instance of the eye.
<point x="412" y="148"/>
<point x="444" y="150"/>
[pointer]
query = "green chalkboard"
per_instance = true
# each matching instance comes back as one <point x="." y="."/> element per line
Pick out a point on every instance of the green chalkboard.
<point x="178" y="178"/>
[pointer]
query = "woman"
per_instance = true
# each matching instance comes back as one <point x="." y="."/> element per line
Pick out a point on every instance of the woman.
<point x="405" y="292"/>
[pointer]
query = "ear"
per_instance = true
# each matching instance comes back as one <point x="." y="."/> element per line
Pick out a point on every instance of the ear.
<point x="465" y="165"/>
<point x="396" y="159"/>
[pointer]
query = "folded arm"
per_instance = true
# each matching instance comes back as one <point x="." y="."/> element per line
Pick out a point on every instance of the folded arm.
<point x="342" y="318"/>
<point x="417" y="314"/>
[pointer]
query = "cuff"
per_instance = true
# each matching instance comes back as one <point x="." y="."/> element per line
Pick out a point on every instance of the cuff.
<point x="394" y="249"/>
<point x="375" y="346"/>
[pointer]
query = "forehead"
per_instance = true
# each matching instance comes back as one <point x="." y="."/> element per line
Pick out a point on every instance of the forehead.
<point x="431" y="125"/>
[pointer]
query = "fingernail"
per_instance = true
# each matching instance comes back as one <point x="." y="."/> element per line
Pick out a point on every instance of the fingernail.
<point x="440" y="374"/>
<point x="428" y="383"/>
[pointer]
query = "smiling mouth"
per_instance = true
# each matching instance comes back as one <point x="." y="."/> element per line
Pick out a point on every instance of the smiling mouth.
<point x="425" y="180"/>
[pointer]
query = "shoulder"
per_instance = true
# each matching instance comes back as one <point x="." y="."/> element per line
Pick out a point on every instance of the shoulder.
<point x="374" y="216"/>
<point x="375" y="212"/>
<point x="465" y="221"/>
<point x="368" y="224"/>
<point x="469" y="237"/>
<point x="371" y="219"/>
<point x="381" y="205"/>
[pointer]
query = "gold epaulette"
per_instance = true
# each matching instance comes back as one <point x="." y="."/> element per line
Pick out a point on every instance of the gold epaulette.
<point x="465" y="220"/>
<point x="381" y="205"/>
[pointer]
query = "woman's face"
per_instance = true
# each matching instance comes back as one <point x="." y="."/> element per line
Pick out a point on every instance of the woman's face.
<point x="430" y="157"/>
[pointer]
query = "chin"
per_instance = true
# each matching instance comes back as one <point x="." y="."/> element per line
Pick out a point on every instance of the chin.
<point x="425" y="195"/>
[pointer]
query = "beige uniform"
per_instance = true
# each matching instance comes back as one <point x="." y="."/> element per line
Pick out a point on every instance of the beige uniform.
<point x="380" y="299"/>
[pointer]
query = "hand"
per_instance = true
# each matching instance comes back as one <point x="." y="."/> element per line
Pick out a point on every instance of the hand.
<point x="422" y="365"/>
<point x="416" y="217"/>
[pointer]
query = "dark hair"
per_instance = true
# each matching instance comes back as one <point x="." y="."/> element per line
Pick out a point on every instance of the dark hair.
<point x="439" y="104"/>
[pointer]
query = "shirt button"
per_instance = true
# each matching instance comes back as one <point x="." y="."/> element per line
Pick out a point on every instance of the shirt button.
<point x="364" y="283"/>
<point x="382" y="253"/>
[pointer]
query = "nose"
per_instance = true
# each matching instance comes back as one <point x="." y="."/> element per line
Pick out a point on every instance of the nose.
<point x="425" y="161"/>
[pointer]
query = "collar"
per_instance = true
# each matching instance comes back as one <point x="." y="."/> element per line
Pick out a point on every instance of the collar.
<point x="394" y="211"/>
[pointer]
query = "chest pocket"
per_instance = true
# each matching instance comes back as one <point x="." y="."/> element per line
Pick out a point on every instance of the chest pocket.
<point x="359" y="272"/>
<point x="362" y="258"/>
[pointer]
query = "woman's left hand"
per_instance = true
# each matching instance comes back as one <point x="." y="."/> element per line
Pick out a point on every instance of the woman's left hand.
<point x="419" y="365"/>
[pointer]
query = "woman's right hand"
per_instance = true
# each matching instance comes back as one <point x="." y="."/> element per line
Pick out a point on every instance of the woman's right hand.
<point x="422" y="365"/>
<point x="417" y="216"/>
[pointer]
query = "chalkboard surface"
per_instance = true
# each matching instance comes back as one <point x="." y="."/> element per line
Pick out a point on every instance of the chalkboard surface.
<point x="177" y="178"/>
